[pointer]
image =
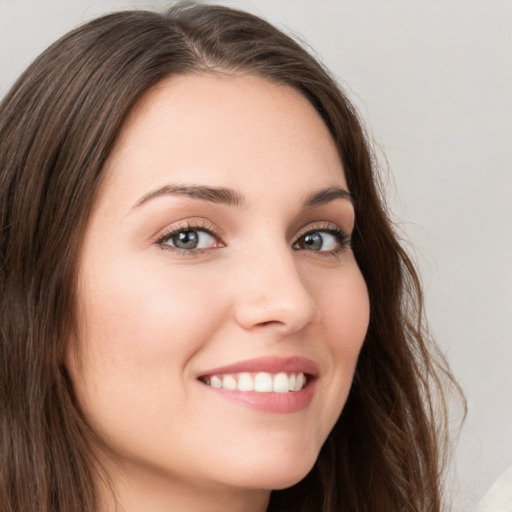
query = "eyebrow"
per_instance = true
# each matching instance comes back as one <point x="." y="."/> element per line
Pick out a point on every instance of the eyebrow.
<point x="326" y="196"/>
<point x="218" y="195"/>
<point x="230" y="197"/>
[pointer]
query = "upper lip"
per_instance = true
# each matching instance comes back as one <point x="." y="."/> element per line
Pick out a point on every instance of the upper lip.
<point x="270" y="364"/>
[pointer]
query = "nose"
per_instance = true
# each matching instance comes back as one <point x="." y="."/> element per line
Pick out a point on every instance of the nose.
<point x="272" y="294"/>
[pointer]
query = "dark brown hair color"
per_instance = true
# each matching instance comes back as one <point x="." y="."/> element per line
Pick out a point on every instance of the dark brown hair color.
<point x="58" y="124"/>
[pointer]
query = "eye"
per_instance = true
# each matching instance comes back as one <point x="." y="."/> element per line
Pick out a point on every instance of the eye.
<point x="188" y="239"/>
<point x="323" y="240"/>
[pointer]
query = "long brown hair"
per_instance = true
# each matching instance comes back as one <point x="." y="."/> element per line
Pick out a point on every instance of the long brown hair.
<point x="58" y="124"/>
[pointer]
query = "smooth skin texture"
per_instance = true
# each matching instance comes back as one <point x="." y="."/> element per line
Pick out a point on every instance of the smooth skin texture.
<point x="154" y="316"/>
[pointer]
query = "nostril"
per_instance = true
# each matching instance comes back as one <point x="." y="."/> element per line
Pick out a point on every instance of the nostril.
<point x="270" y="323"/>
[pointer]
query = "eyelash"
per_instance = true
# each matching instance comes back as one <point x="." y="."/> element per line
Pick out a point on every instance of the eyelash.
<point x="202" y="226"/>
<point x="343" y="239"/>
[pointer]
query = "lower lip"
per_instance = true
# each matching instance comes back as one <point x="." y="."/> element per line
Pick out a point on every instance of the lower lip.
<point x="279" y="403"/>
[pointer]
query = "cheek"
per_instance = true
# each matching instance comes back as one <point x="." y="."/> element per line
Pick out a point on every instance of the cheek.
<point x="139" y="329"/>
<point x="138" y="333"/>
<point x="345" y="312"/>
<point x="343" y="301"/>
<point x="146" y="308"/>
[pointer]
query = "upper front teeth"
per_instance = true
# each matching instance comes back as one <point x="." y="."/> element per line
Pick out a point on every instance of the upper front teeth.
<point x="262" y="382"/>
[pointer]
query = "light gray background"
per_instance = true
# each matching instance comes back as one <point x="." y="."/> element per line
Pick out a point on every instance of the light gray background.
<point x="434" y="82"/>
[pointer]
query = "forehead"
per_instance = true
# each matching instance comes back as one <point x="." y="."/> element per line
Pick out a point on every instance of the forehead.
<point x="223" y="130"/>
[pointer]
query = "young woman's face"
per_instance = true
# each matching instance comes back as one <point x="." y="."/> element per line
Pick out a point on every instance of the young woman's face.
<point x="221" y="310"/>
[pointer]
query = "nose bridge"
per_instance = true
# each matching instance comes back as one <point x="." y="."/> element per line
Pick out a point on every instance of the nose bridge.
<point x="272" y="292"/>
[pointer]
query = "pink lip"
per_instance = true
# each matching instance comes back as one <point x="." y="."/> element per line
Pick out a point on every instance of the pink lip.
<point x="281" y="403"/>
<point x="269" y="364"/>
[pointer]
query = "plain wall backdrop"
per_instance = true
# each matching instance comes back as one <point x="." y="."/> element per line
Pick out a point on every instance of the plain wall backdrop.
<point x="433" y="81"/>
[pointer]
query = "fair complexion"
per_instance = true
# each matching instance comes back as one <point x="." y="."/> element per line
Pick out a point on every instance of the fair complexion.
<point x="217" y="254"/>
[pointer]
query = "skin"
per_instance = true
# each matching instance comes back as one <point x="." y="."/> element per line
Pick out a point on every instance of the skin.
<point x="152" y="317"/>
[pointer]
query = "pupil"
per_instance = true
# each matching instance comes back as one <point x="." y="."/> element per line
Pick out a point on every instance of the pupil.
<point x="313" y="241"/>
<point x="186" y="240"/>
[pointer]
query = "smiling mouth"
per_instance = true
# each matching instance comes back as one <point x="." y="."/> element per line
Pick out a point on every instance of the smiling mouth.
<point x="261" y="382"/>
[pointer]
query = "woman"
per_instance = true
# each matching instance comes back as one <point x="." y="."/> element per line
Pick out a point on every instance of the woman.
<point x="198" y="277"/>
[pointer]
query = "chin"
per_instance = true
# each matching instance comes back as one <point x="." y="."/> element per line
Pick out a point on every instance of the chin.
<point x="274" y="474"/>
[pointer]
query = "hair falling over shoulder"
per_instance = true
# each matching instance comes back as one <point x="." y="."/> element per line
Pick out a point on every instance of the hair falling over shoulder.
<point x="58" y="125"/>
